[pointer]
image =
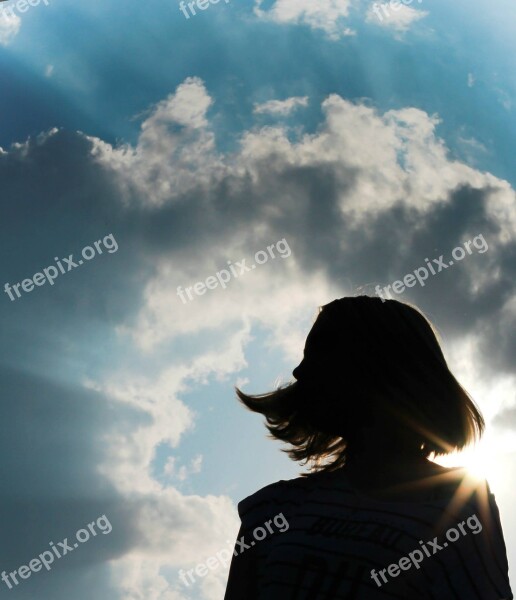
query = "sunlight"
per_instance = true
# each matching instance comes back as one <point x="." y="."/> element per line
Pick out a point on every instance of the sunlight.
<point x="482" y="461"/>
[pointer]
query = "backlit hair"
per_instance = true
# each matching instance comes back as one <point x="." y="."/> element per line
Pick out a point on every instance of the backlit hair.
<point x="364" y="359"/>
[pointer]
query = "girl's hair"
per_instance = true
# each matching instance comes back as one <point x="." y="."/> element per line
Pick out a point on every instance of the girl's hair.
<point x="369" y="360"/>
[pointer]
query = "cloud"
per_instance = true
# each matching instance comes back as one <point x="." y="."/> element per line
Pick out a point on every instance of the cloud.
<point x="398" y="17"/>
<point x="331" y="16"/>
<point x="326" y="15"/>
<point x="281" y="107"/>
<point x="506" y="419"/>
<point x="84" y="443"/>
<point x="9" y="26"/>
<point x="114" y="353"/>
<point x="357" y="176"/>
<point x="172" y="143"/>
<point x="504" y="98"/>
<point x="173" y="470"/>
<point x="50" y="450"/>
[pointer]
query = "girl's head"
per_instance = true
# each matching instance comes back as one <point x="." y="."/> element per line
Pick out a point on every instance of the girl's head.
<point x="373" y="374"/>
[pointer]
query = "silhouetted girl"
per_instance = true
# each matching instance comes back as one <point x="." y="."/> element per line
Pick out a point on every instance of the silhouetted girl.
<point x="375" y="519"/>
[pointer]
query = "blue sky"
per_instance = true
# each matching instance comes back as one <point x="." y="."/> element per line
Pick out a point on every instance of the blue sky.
<point x="368" y="146"/>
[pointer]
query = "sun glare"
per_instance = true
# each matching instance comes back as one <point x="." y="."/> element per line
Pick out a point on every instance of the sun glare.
<point x="482" y="461"/>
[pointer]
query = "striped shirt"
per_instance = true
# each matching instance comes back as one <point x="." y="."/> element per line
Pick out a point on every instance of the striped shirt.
<point x="337" y="537"/>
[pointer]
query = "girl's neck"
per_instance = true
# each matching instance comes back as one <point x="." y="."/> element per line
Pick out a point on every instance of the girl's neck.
<point x="370" y="470"/>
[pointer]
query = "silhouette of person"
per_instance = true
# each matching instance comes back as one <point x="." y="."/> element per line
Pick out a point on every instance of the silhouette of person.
<point x="375" y="518"/>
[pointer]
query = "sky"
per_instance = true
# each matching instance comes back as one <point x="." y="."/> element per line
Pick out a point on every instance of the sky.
<point x="334" y="149"/>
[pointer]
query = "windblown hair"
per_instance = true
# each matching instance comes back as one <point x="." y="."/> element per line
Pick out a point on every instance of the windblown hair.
<point x="367" y="359"/>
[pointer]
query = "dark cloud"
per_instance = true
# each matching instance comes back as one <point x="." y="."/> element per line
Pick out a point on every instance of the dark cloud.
<point x="60" y="199"/>
<point x="51" y="444"/>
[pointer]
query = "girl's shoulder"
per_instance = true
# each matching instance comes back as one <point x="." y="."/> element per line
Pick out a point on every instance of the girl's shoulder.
<point x="284" y="495"/>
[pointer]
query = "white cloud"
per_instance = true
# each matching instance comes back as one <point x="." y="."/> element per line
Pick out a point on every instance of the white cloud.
<point x="331" y="16"/>
<point x="326" y="15"/>
<point x="396" y="160"/>
<point x="471" y="149"/>
<point x="173" y="140"/>
<point x="9" y="26"/>
<point x="471" y="80"/>
<point x="398" y="17"/>
<point x="281" y="107"/>
<point x="128" y="464"/>
<point x="172" y="530"/>
<point x="393" y="151"/>
<point x="504" y="98"/>
<point x="173" y="469"/>
<point x="175" y="532"/>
